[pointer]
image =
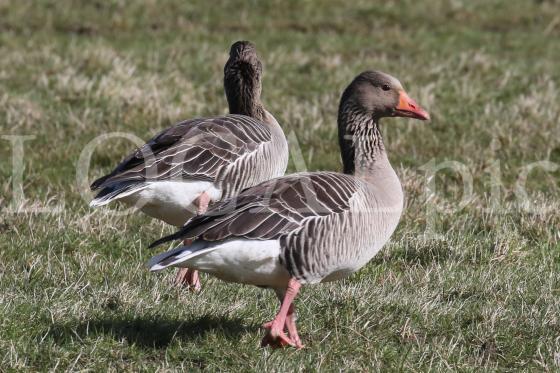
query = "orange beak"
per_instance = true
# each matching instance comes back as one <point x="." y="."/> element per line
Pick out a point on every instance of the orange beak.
<point x="408" y="108"/>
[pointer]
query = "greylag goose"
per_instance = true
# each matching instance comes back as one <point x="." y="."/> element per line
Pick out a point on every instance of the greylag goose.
<point x="181" y="170"/>
<point x="311" y="227"/>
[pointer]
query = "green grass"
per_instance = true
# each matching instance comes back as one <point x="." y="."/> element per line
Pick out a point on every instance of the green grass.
<point x="462" y="288"/>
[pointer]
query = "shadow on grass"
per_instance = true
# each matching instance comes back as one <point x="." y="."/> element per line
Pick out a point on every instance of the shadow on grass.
<point x="149" y="332"/>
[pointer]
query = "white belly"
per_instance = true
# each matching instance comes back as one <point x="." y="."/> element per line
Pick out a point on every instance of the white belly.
<point x="171" y="201"/>
<point x="236" y="260"/>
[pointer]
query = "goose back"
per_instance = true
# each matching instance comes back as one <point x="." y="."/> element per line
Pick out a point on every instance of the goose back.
<point x="225" y="150"/>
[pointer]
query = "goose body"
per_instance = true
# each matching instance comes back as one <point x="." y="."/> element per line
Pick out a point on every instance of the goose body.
<point x="218" y="156"/>
<point x="307" y="224"/>
<point x="307" y="228"/>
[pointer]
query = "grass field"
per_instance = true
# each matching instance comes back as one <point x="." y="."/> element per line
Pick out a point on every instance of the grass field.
<point x="469" y="280"/>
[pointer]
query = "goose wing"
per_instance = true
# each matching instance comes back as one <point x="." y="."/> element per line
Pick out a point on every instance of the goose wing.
<point x="198" y="149"/>
<point x="273" y="209"/>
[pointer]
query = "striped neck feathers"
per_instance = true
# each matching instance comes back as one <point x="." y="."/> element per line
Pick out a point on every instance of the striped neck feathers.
<point x="360" y="140"/>
<point x="242" y="84"/>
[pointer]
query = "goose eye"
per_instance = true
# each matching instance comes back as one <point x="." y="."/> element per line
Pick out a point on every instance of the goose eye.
<point x="385" y="87"/>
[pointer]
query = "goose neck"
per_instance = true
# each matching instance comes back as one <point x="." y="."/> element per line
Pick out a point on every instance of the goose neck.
<point x="361" y="144"/>
<point x="242" y="84"/>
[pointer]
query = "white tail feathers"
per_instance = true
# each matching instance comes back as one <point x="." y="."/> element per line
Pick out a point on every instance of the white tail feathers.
<point x="179" y="255"/>
<point x="107" y="195"/>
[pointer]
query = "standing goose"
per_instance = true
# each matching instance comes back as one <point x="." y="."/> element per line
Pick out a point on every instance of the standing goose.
<point x="311" y="227"/>
<point x="181" y="170"/>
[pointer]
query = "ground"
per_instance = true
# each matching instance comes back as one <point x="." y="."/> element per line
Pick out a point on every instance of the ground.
<point x="470" y="280"/>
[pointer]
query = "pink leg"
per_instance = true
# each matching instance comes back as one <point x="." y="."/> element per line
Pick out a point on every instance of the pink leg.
<point x="202" y="203"/>
<point x="276" y="336"/>
<point x="185" y="276"/>
<point x="292" y="330"/>
<point x="290" y="325"/>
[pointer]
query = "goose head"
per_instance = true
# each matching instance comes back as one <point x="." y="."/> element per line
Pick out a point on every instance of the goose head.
<point x="243" y="80"/>
<point x="376" y="95"/>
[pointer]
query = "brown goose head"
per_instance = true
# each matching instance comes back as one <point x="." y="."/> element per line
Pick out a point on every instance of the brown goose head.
<point x="242" y="80"/>
<point x="371" y="95"/>
<point x="377" y="95"/>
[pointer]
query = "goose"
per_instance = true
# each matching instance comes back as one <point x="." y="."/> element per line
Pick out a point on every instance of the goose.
<point x="194" y="163"/>
<point x="312" y="227"/>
